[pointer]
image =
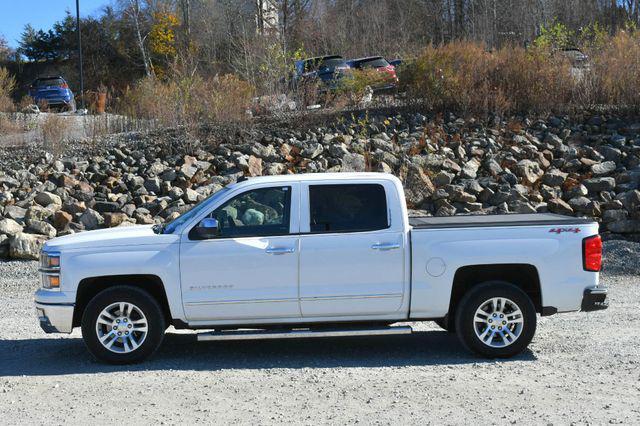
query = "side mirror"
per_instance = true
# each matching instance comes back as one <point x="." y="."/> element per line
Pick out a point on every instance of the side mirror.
<point x="207" y="228"/>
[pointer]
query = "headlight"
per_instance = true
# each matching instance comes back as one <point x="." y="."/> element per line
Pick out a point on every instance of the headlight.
<point x="50" y="270"/>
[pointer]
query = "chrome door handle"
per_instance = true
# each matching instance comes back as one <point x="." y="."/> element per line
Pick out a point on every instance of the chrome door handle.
<point x="280" y="250"/>
<point x="385" y="246"/>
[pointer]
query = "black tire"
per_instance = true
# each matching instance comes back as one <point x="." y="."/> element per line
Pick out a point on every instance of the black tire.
<point x="474" y="299"/>
<point x="446" y="324"/>
<point x="142" y="300"/>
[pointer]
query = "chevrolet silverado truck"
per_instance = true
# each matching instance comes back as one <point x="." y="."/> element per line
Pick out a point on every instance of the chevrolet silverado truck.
<point x="318" y="255"/>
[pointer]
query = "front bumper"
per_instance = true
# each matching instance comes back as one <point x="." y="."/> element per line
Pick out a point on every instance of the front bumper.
<point x="594" y="299"/>
<point x="55" y="318"/>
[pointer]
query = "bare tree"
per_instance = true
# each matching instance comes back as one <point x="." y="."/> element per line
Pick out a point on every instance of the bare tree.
<point x="132" y="9"/>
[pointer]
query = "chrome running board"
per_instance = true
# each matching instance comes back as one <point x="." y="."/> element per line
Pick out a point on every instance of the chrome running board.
<point x="302" y="333"/>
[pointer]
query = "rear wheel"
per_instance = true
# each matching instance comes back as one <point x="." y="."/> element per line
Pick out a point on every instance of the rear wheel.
<point x="496" y="320"/>
<point x="123" y="325"/>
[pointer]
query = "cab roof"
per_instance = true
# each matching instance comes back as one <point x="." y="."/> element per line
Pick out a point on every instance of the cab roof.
<point x="306" y="177"/>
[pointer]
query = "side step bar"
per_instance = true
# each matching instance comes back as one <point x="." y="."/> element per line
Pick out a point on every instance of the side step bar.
<point x="302" y="333"/>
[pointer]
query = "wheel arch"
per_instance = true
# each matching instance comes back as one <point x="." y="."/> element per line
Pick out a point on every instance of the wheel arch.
<point x="88" y="288"/>
<point x="522" y="275"/>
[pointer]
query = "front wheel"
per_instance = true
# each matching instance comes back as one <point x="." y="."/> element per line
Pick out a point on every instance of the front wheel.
<point x="496" y="320"/>
<point x="123" y="325"/>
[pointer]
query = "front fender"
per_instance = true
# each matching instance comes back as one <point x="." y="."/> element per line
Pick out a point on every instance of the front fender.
<point x="159" y="260"/>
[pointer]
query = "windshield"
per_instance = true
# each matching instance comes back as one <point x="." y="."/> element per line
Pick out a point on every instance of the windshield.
<point x="170" y="227"/>
<point x="49" y="82"/>
<point x="327" y="62"/>
<point x="373" y="63"/>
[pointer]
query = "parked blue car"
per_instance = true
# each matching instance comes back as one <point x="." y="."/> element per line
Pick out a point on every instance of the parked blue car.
<point x="54" y="91"/>
<point x="324" y="69"/>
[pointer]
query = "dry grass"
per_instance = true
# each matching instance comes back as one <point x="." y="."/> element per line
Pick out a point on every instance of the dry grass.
<point x="189" y="101"/>
<point x="7" y="85"/>
<point x="466" y="77"/>
<point x="8" y="125"/>
<point x="54" y="130"/>
<point x="614" y="78"/>
<point x="358" y="82"/>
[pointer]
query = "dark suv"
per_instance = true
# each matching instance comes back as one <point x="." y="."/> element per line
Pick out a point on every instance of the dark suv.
<point x="54" y="92"/>
<point x="327" y="70"/>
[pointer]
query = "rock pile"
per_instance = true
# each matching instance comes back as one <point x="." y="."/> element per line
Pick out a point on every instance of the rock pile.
<point x="585" y="166"/>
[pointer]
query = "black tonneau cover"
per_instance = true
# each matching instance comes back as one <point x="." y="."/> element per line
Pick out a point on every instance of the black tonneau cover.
<point x="479" y="221"/>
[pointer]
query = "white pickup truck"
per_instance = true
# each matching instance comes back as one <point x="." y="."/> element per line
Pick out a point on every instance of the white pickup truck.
<point x="313" y="256"/>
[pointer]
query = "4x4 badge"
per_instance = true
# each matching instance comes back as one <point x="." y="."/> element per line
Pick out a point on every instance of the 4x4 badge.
<point x="561" y="230"/>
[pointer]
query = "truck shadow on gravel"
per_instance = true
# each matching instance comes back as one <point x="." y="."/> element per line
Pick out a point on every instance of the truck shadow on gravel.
<point x="50" y="357"/>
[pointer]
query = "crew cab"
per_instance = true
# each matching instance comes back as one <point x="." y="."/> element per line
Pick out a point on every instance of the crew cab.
<point x="318" y="255"/>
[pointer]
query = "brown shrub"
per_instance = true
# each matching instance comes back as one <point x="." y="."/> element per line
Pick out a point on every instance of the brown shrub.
<point x="188" y="100"/>
<point x="358" y="82"/>
<point x="7" y="85"/>
<point x="534" y="80"/>
<point x="54" y="131"/>
<point x="615" y="72"/>
<point x="8" y="125"/>
<point x="453" y="76"/>
<point x="466" y="77"/>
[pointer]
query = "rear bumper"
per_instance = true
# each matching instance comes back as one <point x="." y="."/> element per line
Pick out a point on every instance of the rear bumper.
<point x="54" y="101"/>
<point x="55" y="318"/>
<point x="594" y="299"/>
<point x="57" y="101"/>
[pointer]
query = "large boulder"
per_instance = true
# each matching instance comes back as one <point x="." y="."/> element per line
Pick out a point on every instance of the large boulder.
<point x="559" y="206"/>
<point x="47" y="198"/>
<point x="117" y="219"/>
<point x="15" y="212"/>
<point x="26" y="246"/>
<point x="91" y="219"/>
<point x="61" y="220"/>
<point x="595" y="185"/>
<point x="603" y="168"/>
<point x="470" y="169"/>
<point x="41" y="227"/>
<point x="418" y="187"/>
<point x="628" y="226"/>
<point x="554" y="177"/>
<point x="254" y="166"/>
<point x="10" y="227"/>
<point x="529" y="171"/>
<point x="353" y="163"/>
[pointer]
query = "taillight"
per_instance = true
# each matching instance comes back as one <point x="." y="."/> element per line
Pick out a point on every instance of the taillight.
<point x="592" y="253"/>
<point x="64" y="85"/>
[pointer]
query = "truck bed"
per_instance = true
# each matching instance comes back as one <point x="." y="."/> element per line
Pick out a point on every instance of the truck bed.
<point x="479" y="221"/>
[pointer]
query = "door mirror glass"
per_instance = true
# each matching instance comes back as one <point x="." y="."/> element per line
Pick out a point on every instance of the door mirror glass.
<point x="207" y="228"/>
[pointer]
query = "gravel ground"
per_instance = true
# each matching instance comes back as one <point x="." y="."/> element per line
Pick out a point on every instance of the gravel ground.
<point x="581" y="368"/>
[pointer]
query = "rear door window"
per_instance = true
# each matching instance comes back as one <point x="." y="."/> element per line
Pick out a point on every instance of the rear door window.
<point x="347" y="208"/>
